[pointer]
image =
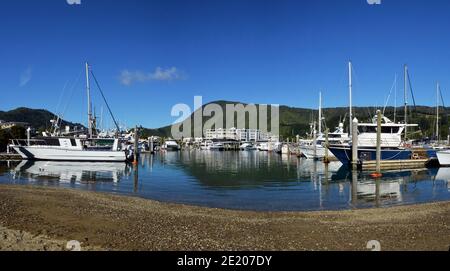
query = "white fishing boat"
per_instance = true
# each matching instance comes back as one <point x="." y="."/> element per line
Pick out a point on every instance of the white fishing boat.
<point x="315" y="148"/>
<point x="312" y="150"/>
<point x="70" y="149"/>
<point x="217" y="146"/>
<point x="247" y="147"/>
<point x="170" y="145"/>
<point x="275" y="147"/>
<point x="393" y="147"/>
<point x="82" y="148"/>
<point x="264" y="146"/>
<point x="206" y="145"/>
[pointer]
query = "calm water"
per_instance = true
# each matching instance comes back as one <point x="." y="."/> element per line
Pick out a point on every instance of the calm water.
<point x="238" y="180"/>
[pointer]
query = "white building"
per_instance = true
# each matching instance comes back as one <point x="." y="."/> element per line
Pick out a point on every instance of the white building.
<point x="238" y="134"/>
<point x="216" y="134"/>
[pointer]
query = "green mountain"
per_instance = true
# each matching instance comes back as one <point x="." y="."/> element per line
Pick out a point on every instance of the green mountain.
<point x="296" y="121"/>
<point x="37" y="118"/>
<point x="293" y="121"/>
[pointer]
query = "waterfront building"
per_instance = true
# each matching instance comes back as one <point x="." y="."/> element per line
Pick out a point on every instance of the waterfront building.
<point x="9" y="125"/>
<point x="242" y="135"/>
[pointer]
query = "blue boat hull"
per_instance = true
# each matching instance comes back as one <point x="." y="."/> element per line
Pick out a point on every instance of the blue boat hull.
<point x="432" y="154"/>
<point x="344" y="154"/>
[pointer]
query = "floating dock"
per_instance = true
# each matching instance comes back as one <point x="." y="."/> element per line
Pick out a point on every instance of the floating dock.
<point x="10" y="156"/>
<point x="396" y="164"/>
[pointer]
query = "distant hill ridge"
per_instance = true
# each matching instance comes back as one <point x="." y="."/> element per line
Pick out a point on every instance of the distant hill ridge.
<point x="37" y="118"/>
<point x="293" y="121"/>
<point x="296" y="121"/>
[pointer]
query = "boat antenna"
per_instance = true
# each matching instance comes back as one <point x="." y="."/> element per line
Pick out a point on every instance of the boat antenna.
<point x="104" y="99"/>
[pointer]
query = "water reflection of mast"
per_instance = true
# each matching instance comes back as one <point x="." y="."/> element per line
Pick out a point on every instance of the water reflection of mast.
<point x="151" y="163"/>
<point x="354" y="188"/>
<point x="314" y="175"/>
<point x="136" y="178"/>
<point x="288" y="161"/>
<point x="298" y="169"/>
<point x="327" y="174"/>
<point x="143" y="163"/>
<point x="377" y="193"/>
<point x="319" y="179"/>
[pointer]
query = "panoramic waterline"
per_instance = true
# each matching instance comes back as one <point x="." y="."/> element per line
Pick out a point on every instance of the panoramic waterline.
<point x="249" y="180"/>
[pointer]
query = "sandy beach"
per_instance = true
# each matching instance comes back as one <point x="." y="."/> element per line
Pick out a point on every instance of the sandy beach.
<point x="39" y="218"/>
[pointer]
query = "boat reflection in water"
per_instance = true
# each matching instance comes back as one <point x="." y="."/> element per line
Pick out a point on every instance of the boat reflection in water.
<point x="395" y="188"/>
<point x="265" y="181"/>
<point x="443" y="175"/>
<point x="70" y="172"/>
<point x="249" y="180"/>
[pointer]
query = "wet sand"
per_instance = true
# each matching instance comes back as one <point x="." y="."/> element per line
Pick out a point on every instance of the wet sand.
<point x="39" y="218"/>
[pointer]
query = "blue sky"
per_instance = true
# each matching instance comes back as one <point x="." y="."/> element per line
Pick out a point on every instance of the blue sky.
<point x="149" y="55"/>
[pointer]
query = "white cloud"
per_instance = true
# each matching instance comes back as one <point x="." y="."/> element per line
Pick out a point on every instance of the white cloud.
<point x="160" y="74"/>
<point x="25" y="77"/>
<point x="73" y="2"/>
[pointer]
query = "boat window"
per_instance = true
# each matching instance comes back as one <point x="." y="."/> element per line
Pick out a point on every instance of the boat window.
<point x="73" y="142"/>
<point x="103" y="142"/>
<point x="367" y="129"/>
<point x="373" y="129"/>
<point x="390" y="130"/>
<point x="334" y="136"/>
<point x="52" y="141"/>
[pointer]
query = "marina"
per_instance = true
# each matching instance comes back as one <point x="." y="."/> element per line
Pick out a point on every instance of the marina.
<point x="225" y="125"/>
<point x="247" y="180"/>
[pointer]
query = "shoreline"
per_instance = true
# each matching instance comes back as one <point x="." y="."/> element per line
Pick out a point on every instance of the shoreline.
<point x="42" y="218"/>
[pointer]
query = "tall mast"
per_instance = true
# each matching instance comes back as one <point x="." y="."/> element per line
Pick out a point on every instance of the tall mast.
<point x="437" y="111"/>
<point x="350" y="86"/>
<point x="406" y="102"/>
<point x="320" y="113"/>
<point x="88" y="90"/>
<point x="395" y="100"/>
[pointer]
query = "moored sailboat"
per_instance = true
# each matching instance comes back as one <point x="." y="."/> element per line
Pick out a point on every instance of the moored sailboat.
<point x="88" y="147"/>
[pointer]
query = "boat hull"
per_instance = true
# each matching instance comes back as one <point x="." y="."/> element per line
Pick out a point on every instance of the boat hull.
<point x="172" y="148"/>
<point x="308" y="152"/>
<point x="444" y="158"/>
<point x="344" y="154"/>
<point x="55" y="154"/>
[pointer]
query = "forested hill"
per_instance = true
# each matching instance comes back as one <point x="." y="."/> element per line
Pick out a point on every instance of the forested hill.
<point x="296" y="121"/>
<point x="37" y="118"/>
